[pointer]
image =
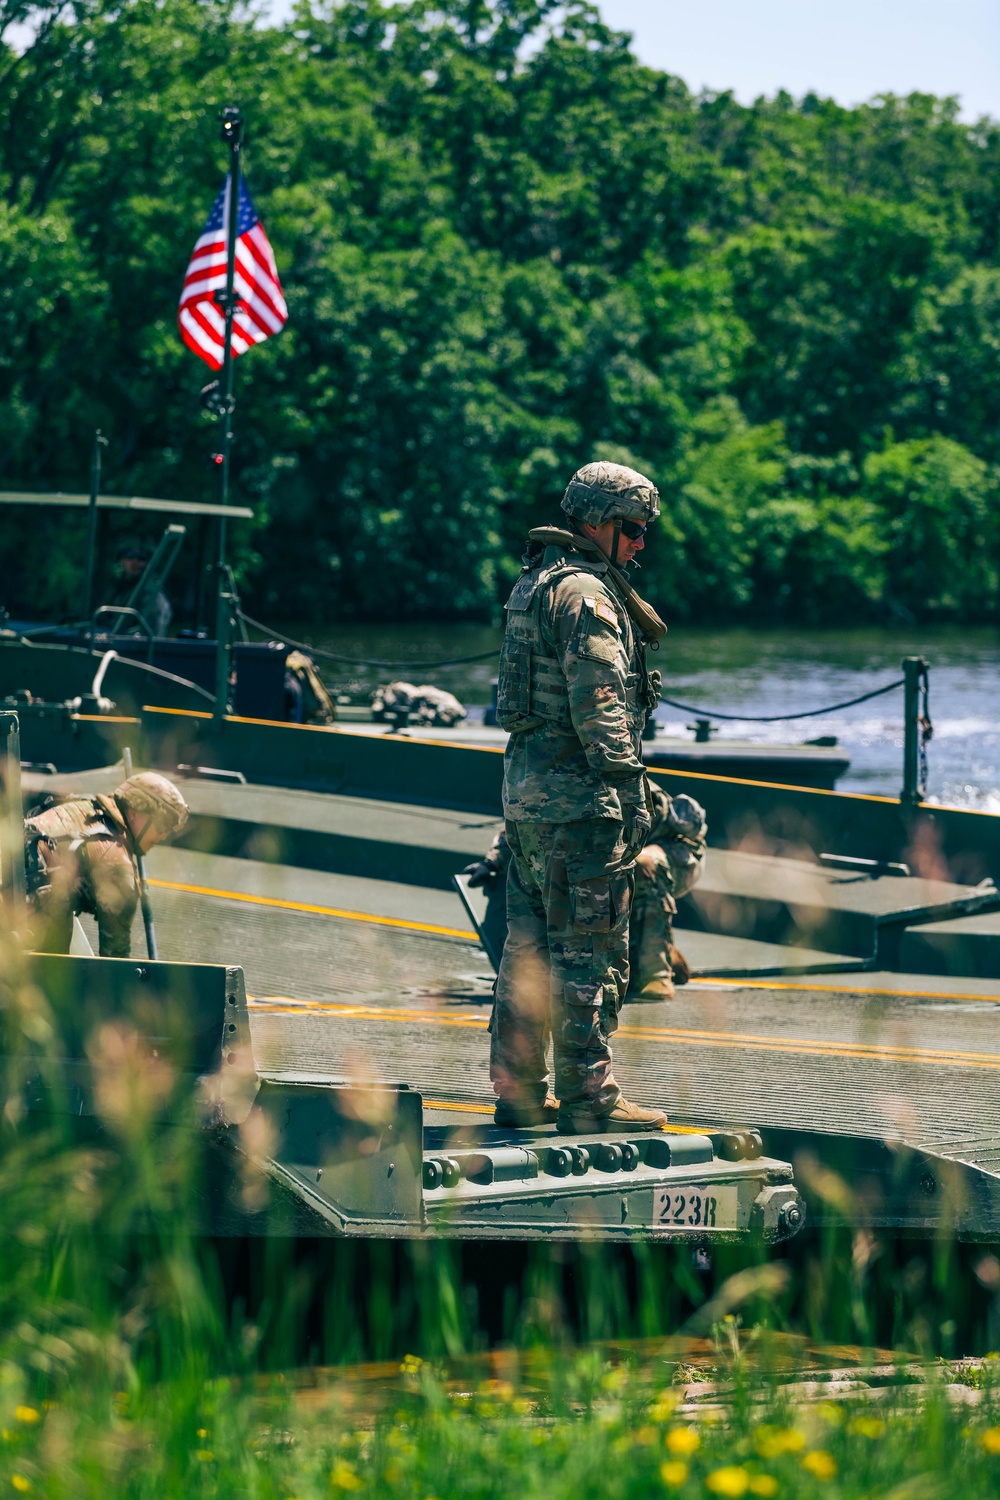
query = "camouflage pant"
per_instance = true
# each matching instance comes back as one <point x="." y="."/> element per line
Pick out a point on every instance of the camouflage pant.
<point x="651" y="930"/>
<point x="565" y="964"/>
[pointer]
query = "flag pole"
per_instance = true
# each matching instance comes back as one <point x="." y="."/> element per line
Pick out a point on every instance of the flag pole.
<point x="232" y="135"/>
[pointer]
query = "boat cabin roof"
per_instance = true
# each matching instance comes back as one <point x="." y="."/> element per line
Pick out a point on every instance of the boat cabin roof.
<point x="128" y="502"/>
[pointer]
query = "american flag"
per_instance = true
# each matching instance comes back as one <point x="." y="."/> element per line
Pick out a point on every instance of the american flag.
<point x="261" y="309"/>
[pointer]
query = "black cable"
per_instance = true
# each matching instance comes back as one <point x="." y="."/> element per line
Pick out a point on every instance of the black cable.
<point x="812" y="713"/>
<point x="361" y="661"/>
<point x="458" y="661"/>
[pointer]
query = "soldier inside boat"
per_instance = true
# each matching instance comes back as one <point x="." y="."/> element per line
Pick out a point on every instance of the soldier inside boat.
<point x="148" y="600"/>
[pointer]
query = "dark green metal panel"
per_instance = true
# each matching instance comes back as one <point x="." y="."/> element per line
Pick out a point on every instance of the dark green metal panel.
<point x="190" y="1014"/>
<point x="389" y="766"/>
<point x="786" y="818"/>
<point x="434" y="773"/>
<point x="351" y="1151"/>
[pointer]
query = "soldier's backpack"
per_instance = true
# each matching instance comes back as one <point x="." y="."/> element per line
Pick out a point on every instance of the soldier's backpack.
<point x="37" y="868"/>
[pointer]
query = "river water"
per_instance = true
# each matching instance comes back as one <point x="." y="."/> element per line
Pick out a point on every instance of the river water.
<point x="755" y="672"/>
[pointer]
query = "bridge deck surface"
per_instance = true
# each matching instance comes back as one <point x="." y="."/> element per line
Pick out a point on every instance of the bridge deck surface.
<point x="363" y="978"/>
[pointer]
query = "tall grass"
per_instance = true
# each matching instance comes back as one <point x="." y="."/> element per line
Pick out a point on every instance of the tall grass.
<point x="139" y="1357"/>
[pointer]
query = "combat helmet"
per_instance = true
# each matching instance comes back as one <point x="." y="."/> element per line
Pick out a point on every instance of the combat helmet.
<point x="154" y="797"/>
<point x="605" y="491"/>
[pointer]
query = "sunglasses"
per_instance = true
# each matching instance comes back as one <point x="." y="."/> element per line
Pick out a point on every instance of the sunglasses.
<point x="633" y="530"/>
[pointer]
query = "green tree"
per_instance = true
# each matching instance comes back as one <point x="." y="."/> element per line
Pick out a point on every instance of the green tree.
<point x="507" y="246"/>
<point x="937" y="503"/>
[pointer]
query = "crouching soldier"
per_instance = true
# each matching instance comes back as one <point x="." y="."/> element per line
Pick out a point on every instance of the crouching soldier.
<point x="665" y="869"/>
<point x="80" y="857"/>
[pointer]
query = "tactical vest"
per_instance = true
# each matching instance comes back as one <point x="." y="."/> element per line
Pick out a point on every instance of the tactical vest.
<point x="37" y="870"/>
<point x="531" y="690"/>
<point x="38" y="843"/>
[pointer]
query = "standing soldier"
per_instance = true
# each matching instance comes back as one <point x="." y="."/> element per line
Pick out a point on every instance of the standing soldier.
<point x="574" y="692"/>
<point x="80" y="857"/>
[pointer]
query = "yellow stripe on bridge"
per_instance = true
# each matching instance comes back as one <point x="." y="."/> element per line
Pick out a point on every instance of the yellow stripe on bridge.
<point x="319" y="911"/>
<point x="666" y="1035"/>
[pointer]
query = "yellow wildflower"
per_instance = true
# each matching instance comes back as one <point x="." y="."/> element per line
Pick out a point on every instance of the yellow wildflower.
<point x="869" y="1427"/>
<point x="730" y="1481"/>
<point x="764" y="1485"/>
<point x="411" y="1364"/>
<point x="343" y="1477"/>
<point x="831" y="1412"/>
<point x="683" y="1441"/>
<point x="203" y="1432"/>
<point x="26" y="1414"/>
<point x="820" y="1464"/>
<point x="394" y="1471"/>
<point x="663" y="1408"/>
<point x="673" y="1473"/>
<point x="204" y="1455"/>
<point x="772" y="1442"/>
<point x="990" y="1440"/>
<point x="520" y="1406"/>
<point x="20" y="1483"/>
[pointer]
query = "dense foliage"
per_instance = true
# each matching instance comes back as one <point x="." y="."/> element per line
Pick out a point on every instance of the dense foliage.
<point x="507" y="247"/>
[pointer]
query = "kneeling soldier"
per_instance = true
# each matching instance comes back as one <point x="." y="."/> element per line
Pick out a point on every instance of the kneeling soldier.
<point x="666" y="869"/>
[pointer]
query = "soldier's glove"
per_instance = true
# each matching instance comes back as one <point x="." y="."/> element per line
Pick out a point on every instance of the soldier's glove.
<point x="637" y="829"/>
<point x="480" y="874"/>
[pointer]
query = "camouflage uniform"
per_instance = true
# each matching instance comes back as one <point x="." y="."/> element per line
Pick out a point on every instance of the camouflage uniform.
<point x="574" y="692"/>
<point x="80" y="856"/>
<point x="669" y="867"/>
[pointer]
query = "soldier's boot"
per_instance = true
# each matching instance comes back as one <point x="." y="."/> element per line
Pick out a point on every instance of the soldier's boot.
<point x="659" y="968"/>
<point x="578" y="1119"/>
<point x="523" y="1114"/>
<point x="655" y="987"/>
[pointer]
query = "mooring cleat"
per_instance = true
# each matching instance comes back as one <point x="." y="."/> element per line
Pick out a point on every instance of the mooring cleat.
<point x="578" y="1120"/>
<point x="526" y="1114"/>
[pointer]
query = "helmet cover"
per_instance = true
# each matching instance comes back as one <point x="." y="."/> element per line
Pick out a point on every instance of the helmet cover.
<point x="605" y="491"/>
<point x="153" y="796"/>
